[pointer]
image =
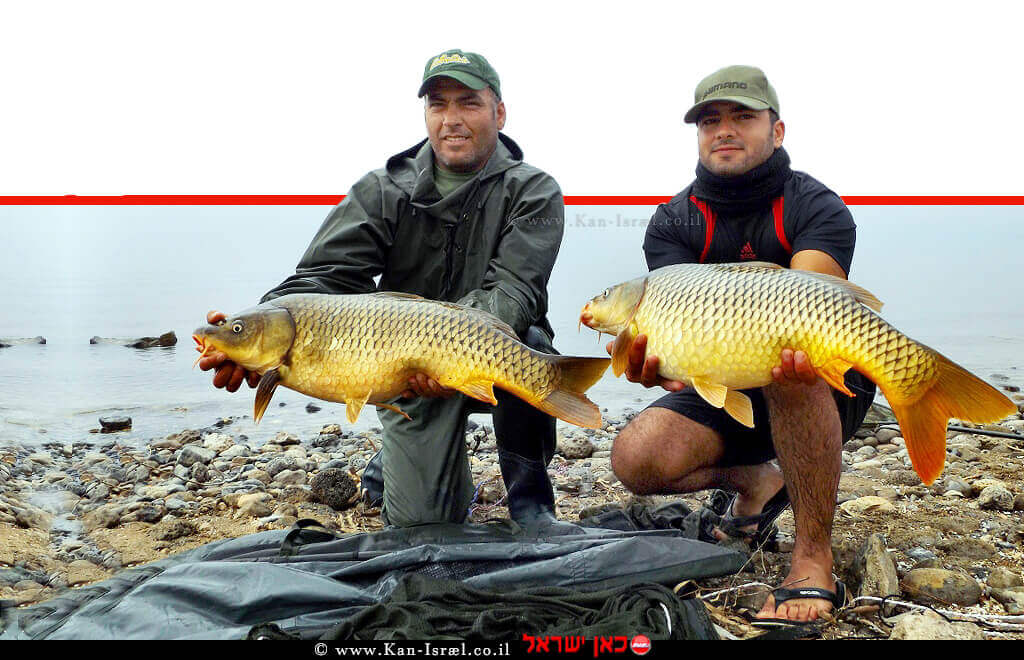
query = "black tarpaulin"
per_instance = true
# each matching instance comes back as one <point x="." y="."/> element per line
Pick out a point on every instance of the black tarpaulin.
<point x="305" y="581"/>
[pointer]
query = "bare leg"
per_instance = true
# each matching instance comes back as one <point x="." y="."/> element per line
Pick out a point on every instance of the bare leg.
<point x="661" y="451"/>
<point x="808" y="441"/>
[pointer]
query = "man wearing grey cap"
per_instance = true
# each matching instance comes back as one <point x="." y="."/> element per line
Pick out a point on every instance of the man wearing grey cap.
<point x="746" y="204"/>
<point x="458" y="217"/>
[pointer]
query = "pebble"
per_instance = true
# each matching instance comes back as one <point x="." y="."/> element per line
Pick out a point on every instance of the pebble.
<point x="929" y="625"/>
<point x="996" y="497"/>
<point x="871" y="504"/>
<point x="931" y="585"/>
<point x="236" y="451"/>
<point x="280" y="464"/>
<point x="254" y="505"/>
<point x="575" y="447"/>
<point x="290" y="477"/>
<point x="81" y="571"/>
<point x="885" y="436"/>
<point x="1003" y="578"/>
<point x="192" y="454"/>
<point x="115" y="423"/>
<point x="217" y="442"/>
<point x="876" y="569"/>
<point x="1011" y="598"/>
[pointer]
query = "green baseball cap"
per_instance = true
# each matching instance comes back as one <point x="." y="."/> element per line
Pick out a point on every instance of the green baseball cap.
<point x="746" y="85"/>
<point x="470" y="69"/>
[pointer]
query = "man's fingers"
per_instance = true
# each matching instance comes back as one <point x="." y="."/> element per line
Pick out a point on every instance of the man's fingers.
<point x="788" y="369"/>
<point x="223" y="375"/>
<point x="237" y="376"/>
<point x="637" y="351"/>
<point x="213" y="317"/>
<point x="254" y="379"/>
<point x="804" y="369"/>
<point x="649" y="375"/>
<point x="212" y="361"/>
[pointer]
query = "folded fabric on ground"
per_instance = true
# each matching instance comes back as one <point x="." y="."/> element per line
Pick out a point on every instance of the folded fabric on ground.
<point x="306" y="581"/>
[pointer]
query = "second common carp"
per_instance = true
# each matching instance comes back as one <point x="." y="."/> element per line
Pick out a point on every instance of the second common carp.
<point x="722" y="327"/>
<point x="359" y="349"/>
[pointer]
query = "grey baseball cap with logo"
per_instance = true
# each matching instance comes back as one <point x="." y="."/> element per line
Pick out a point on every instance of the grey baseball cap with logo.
<point x="746" y="85"/>
<point x="470" y="69"/>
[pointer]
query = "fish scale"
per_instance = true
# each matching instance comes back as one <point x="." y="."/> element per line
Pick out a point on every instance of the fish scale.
<point x="722" y="328"/>
<point x="360" y="349"/>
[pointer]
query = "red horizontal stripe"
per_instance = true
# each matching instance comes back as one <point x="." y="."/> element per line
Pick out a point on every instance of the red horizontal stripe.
<point x="577" y="200"/>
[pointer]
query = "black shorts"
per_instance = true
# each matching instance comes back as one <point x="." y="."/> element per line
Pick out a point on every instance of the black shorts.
<point x="754" y="446"/>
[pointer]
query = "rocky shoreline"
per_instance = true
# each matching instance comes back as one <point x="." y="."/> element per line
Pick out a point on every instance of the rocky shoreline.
<point x="75" y="513"/>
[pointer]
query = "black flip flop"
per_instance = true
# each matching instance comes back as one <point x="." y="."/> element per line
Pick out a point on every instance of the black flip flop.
<point x="732" y="526"/>
<point x="781" y="595"/>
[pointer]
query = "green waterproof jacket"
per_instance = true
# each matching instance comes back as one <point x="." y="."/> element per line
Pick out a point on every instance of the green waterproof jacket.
<point x="490" y="244"/>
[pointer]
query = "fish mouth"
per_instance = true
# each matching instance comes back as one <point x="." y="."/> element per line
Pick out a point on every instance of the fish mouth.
<point x="203" y="347"/>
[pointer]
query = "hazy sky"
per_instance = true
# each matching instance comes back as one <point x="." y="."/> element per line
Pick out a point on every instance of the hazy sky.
<point x="257" y="97"/>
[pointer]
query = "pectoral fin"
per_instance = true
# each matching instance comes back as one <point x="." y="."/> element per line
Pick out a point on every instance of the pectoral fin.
<point x="354" y="406"/>
<point x="265" y="392"/>
<point x="620" y="349"/>
<point x="713" y="393"/>
<point x="832" y="372"/>
<point x="481" y="390"/>
<point x="739" y="407"/>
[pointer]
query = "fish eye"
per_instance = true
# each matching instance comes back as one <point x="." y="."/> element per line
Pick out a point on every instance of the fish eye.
<point x="237" y="327"/>
<point x="606" y="292"/>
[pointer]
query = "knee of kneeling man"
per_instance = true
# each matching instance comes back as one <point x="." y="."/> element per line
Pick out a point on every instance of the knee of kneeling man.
<point x="634" y="467"/>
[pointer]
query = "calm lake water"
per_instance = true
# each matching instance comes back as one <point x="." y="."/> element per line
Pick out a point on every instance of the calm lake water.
<point x="950" y="277"/>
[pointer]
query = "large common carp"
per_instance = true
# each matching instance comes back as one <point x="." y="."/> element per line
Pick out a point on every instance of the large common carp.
<point x="722" y="327"/>
<point x="359" y="349"/>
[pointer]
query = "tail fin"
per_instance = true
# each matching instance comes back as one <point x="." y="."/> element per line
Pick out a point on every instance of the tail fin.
<point x="955" y="393"/>
<point x="568" y="402"/>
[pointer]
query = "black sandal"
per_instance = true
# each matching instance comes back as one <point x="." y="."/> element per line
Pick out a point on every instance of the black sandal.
<point x="732" y="526"/>
<point x="781" y="595"/>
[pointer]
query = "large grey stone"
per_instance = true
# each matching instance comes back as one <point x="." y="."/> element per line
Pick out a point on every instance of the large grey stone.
<point x="876" y="569"/>
<point x="930" y="585"/>
<point x="929" y="625"/>
<point x="996" y="497"/>
<point x="192" y="454"/>
<point x="335" y="488"/>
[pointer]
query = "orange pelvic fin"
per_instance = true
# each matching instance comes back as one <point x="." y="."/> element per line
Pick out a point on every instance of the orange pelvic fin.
<point x="353" y="407"/>
<point x="833" y="371"/>
<point x="481" y="390"/>
<point x="740" y="408"/>
<point x="955" y="393"/>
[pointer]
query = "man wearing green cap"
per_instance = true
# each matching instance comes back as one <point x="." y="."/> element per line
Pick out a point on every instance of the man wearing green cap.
<point x="746" y="204"/>
<point x="458" y="217"/>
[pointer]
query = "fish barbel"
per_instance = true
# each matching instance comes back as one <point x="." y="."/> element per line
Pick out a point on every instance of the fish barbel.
<point x="721" y="328"/>
<point x="359" y="349"/>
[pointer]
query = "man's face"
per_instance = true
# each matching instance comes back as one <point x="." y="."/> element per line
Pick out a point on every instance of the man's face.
<point x="462" y="124"/>
<point x="733" y="139"/>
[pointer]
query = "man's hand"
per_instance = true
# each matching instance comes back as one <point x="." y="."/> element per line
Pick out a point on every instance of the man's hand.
<point x="227" y="374"/>
<point x="645" y="371"/>
<point x="425" y="386"/>
<point x="796" y="368"/>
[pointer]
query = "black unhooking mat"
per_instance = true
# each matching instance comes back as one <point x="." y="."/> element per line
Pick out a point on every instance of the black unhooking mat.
<point x="308" y="583"/>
